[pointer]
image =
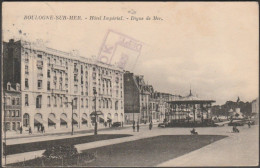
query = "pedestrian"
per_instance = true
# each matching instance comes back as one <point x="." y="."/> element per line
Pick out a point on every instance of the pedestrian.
<point x="249" y="124"/>
<point x="21" y="130"/>
<point x="122" y="124"/>
<point x="138" y="126"/>
<point x="105" y="124"/>
<point x="30" y="130"/>
<point x="38" y="127"/>
<point x="134" y="126"/>
<point x="42" y="129"/>
<point x="151" y="125"/>
<point x="109" y="123"/>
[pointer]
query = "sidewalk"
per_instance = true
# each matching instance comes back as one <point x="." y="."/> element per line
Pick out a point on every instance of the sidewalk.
<point x="240" y="149"/>
<point x="15" y="135"/>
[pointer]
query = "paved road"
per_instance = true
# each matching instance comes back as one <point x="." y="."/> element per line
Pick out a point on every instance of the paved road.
<point x="237" y="149"/>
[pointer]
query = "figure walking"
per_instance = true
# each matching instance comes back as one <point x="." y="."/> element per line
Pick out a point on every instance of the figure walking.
<point x="249" y="124"/>
<point x="151" y="125"/>
<point x="134" y="126"/>
<point x="21" y="130"/>
<point x="42" y="129"/>
<point x="30" y="130"/>
<point x="138" y="126"/>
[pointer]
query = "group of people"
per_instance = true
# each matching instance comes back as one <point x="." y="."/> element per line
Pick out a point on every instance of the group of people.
<point x="138" y="126"/>
<point x="21" y="130"/>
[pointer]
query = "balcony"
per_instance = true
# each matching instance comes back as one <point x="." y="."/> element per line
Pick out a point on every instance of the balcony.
<point x="58" y="91"/>
<point x="58" y="67"/>
<point x="12" y="107"/>
<point x="75" y="70"/>
<point x="39" y="64"/>
<point x="106" y="76"/>
<point x="40" y="75"/>
<point x="38" y="106"/>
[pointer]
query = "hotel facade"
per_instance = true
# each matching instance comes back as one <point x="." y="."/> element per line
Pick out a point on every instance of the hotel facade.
<point x="50" y="80"/>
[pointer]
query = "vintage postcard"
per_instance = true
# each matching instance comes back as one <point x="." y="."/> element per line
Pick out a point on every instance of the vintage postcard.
<point x="130" y="84"/>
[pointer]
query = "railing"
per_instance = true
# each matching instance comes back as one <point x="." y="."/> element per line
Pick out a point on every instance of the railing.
<point x="40" y="75"/>
<point x="13" y="106"/>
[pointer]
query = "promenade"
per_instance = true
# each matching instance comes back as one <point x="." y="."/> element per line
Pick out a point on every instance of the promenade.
<point x="236" y="150"/>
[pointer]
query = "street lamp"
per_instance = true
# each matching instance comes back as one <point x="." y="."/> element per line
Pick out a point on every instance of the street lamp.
<point x="71" y="103"/>
<point x="95" y="112"/>
<point x="5" y="128"/>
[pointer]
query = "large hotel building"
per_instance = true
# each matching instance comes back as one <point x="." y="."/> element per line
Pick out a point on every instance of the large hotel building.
<point x="49" y="80"/>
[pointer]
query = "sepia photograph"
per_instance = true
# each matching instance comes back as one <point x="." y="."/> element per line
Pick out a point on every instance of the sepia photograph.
<point x="130" y="84"/>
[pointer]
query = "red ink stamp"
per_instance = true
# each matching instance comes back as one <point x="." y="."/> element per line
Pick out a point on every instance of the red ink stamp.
<point x="120" y="50"/>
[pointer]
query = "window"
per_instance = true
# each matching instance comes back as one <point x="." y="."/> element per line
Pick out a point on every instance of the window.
<point x="26" y="69"/>
<point x="75" y="88"/>
<point x="55" y="101"/>
<point x="75" y="103"/>
<point x="49" y="60"/>
<point x="13" y="101"/>
<point x="7" y="126"/>
<point x="121" y="94"/>
<point x="26" y="100"/>
<point x="17" y="101"/>
<point x="13" y="126"/>
<point x="13" y="113"/>
<point x="60" y="86"/>
<point x="60" y="62"/>
<point x="39" y="56"/>
<point x="26" y="83"/>
<point x="8" y="101"/>
<point x="66" y="100"/>
<point x="116" y="105"/>
<point x="26" y="120"/>
<point x="38" y="101"/>
<point x="48" y="85"/>
<point x="49" y="73"/>
<point x="122" y="105"/>
<point x="82" y="105"/>
<point x="54" y="61"/>
<point x="17" y="113"/>
<point x="61" y="105"/>
<point x="39" y="84"/>
<point x="49" y="101"/>
<point x="86" y="103"/>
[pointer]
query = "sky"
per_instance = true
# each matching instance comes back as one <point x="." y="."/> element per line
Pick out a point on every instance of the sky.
<point x="211" y="47"/>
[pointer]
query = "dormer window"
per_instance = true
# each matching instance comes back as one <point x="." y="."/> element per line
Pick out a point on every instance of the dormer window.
<point x="8" y="86"/>
<point x="17" y="86"/>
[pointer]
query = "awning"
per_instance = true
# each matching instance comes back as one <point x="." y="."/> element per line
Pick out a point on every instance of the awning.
<point x="84" y="118"/>
<point x="109" y="118"/>
<point x="76" y="119"/>
<point x="98" y="113"/>
<point x="52" y="119"/>
<point x="63" y="118"/>
<point x="38" y="119"/>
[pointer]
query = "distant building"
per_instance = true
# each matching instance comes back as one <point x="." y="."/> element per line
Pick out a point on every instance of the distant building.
<point x="255" y="106"/>
<point x="12" y="107"/>
<point x="136" y="97"/>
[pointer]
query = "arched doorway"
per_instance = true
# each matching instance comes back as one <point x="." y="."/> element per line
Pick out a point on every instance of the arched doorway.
<point x="52" y="121"/>
<point x="26" y="120"/>
<point x="84" y="119"/>
<point x="116" y="117"/>
<point x="64" y="120"/>
<point x="38" y="122"/>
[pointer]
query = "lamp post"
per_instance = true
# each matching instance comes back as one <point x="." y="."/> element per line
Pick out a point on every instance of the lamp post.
<point x="71" y="103"/>
<point x="4" y="129"/>
<point x="95" y="112"/>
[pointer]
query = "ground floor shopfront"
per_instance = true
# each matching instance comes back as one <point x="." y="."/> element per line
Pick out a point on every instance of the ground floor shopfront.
<point x="63" y="119"/>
